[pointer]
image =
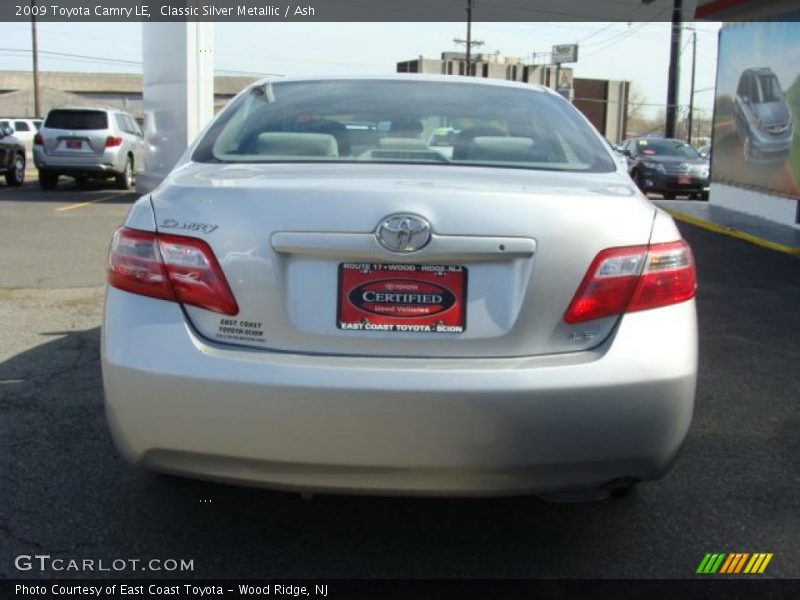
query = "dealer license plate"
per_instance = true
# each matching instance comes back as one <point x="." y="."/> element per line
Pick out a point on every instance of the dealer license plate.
<point x="402" y="298"/>
<point x="74" y="144"/>
<point x="684" y="180"/>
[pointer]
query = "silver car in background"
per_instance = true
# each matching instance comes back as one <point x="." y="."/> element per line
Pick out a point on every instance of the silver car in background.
<point x="88" y="144"/>
<point x="295" y="311"/>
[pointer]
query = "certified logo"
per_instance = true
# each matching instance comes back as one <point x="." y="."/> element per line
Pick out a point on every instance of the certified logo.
<point x="403" y="233"/>
<point x="402" y="298"/>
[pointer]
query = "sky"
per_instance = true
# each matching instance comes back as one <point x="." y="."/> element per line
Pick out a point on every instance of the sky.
<point x="638" y="52"/>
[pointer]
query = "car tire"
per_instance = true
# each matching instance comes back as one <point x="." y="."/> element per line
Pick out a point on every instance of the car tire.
<point x="16" y="176"/>
<point x="48" y="180"/>
<point x="124" y="180"/>
<point x="639" y="181"/>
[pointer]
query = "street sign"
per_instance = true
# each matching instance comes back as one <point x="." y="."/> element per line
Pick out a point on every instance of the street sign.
<point x="565" y="53"/>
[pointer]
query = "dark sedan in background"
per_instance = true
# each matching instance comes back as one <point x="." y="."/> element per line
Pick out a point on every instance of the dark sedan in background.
<point x="668" y="167"/>
<point x="12" y="157"/>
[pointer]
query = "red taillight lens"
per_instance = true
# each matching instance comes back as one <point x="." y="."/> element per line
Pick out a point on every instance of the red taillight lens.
<point x="37" y="140"/>
<point x="669" y="277"/>
<point x="134" y="264"/>
<point x="634" y="278"/>
<point x="113" y="140"/>
<point x="169" y="267"/>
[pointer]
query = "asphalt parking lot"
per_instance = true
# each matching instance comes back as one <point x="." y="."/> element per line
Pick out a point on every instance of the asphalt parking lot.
<point x="64" y="491"/>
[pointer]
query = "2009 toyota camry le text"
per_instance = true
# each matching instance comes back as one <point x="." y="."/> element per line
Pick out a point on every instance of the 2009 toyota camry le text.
<point x="401" y="285"/>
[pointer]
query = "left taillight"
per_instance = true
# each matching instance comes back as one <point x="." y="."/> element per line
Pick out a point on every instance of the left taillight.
<point x="169" y="267"/>
<point x="634" y="278"/>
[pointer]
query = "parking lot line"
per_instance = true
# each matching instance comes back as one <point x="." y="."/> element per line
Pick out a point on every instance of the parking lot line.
<point x="82" y="204"/>
<point x="725" y="230"/>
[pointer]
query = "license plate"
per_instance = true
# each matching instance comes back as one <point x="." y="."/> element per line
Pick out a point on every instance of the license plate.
<point x="74" y="144"/>
<point x="684" y="180"/>
<point x="402" y="298"/>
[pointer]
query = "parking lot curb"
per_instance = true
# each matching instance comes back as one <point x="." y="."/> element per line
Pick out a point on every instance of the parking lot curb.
<point x="735" y="233"/>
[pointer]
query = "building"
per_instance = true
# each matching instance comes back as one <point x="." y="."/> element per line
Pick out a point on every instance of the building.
<point x="604" y="102"/>
<point x="115" y="90"/>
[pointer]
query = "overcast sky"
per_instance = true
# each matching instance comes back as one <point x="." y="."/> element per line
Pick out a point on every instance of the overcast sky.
<point x="638" y="52"/>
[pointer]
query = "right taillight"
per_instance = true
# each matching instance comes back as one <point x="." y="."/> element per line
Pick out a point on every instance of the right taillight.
<point x="170" y="267"/>
<point x="37" y="140"/>
<point x="634" y="278"/>
<point x="113" y="141"/>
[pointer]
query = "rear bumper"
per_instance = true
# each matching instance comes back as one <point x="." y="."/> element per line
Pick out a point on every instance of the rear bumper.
<point x="770" y="152"/>
<point x="110" y="162"/>
<point x="176" y="403"/>
<point x="659" y="183"/>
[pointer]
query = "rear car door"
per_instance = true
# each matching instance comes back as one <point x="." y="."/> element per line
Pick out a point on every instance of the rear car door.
<point x="137" y="142"/>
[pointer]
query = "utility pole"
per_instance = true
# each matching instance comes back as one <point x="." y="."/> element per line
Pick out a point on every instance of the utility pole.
<point x="469" y="37"/>
<point x="691" y="96"/>
<point x="469" y="45"/>
<point x="674" y="68"/>
<point x="37" y="108"/>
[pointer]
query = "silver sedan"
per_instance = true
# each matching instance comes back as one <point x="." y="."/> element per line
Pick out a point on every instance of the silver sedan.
<point x="317" y="299"/>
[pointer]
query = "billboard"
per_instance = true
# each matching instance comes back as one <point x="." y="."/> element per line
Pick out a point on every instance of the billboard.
<point x="757" y="107"/>
<point x="565" y="53"/>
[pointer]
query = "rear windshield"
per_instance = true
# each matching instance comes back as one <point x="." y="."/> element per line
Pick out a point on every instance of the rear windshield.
<point x="770" y="89"/>
<point x="76" y="119"/>
<point x="667" y="148"/>
<point x="405" y="122"/>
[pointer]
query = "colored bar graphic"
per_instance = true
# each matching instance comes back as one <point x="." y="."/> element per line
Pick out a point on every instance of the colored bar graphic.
<point x="727" y="564"/>
<point x="734" y="563"/>
<point x="717" y="564"/>
<point x="767" y="558"/>
<point x="703" y="563"/>
<point x="740" y="564"/>
<point x="751" y="564"/>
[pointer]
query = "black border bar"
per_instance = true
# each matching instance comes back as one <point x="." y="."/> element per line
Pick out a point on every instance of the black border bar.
<point x="702" y="588"/>
<point x="341" y="10"/>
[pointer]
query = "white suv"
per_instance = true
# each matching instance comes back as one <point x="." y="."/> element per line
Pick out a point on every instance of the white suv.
<point x="88" y="143"/>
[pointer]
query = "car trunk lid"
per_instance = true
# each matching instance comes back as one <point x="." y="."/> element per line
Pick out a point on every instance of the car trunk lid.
<point x="514" y="246"/>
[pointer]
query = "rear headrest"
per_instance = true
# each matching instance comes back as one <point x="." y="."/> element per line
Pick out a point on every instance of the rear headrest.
<point x="296" y="144"/>
<point x="412" y="127"/>
<point x="506" y="149"/>
<point x="397" y="143"/>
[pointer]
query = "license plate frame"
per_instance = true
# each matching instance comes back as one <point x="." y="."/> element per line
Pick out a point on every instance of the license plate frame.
<point x="74" y="144"/>
<point x="402" y="298"/>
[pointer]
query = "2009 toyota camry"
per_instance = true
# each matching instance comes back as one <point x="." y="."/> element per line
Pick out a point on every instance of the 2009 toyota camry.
<point x="319" y="299"/>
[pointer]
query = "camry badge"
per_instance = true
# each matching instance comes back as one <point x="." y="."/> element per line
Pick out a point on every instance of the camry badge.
<point x="403" y="233"/>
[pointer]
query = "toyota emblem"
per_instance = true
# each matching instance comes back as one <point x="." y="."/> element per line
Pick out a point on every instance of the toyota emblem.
<point x="403" y="233"/>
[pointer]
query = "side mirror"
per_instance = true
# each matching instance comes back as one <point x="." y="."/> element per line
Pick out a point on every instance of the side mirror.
<point x="627" y="153"/>
<point x="5" y="131"/>
<point x="746" y="99"/>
